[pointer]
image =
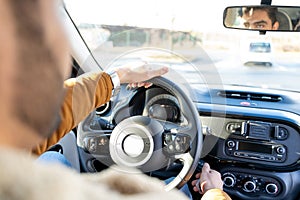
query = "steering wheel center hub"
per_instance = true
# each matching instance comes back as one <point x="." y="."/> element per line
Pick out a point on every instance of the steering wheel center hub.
<point x="136" y="142"/>
<point x="133" y="145"/>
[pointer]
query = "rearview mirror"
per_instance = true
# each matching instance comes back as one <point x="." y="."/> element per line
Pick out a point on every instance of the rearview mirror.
<point x="262" y="18"/>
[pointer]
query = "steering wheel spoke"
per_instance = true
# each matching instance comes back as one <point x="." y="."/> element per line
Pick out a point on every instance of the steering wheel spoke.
<point x="176" y="142"/>
<point x="97" y="144"/>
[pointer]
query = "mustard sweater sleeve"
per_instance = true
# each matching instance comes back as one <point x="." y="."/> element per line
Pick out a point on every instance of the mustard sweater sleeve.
<point x="83" y="95"/>
<point x="215" y="194"/>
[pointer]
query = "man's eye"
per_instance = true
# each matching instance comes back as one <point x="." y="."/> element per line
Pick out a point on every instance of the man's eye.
<point x="260" y="26"/>
<point x="246" y="25"/>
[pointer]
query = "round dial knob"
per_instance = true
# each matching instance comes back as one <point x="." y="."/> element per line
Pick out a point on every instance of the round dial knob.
<point x="271" y="188"/>
<point x="230" y="143"/>
<point x="280" y="150"/>
<point x="249" y="186"/>
<point x="229" y="180"/>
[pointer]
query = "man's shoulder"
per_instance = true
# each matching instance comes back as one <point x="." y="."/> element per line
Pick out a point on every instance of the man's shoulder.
<point x="24" y="178"/>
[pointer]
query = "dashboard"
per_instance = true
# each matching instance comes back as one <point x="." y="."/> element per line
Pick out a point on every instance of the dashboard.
<point x="250" y="136"/>
<point x="253" y="141"/>
<point x="259" y="159"/>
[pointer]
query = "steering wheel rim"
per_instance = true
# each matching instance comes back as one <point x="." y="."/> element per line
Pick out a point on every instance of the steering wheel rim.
<point x="189" y="159"/>
<point x="187" y="107"/>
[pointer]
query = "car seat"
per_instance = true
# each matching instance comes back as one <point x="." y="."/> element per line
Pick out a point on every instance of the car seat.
<point x="285" y="22"/>
<point x="67" y="146"/>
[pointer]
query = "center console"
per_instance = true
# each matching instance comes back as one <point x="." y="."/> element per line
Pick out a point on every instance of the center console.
<point x="256" y="158"/>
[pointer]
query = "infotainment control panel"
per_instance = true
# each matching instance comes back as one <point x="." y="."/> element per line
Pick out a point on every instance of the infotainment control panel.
<point x="269" y="143"/>
<point x="256" y="140"/>
<point x="252" y="150"/>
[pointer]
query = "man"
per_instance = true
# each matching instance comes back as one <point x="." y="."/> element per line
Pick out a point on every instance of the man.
<point x="260" y="18"/>
<point x="89" y="91"/>
<point x="34" y="56"/>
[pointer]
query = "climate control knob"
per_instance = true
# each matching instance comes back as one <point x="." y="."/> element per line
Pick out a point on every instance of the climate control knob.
<point x="271" y="188"/>
<point x="229" y="180"/>
<point x="249" y="186"/>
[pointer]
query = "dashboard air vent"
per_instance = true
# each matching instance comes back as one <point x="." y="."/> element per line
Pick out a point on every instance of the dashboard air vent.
<point x="250" y="96"/>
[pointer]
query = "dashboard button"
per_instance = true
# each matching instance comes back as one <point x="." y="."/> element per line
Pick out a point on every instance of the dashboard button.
<point x="233" y="127"/>
<point x="230" y="144"/>
<point x="280" y="150"/>
<point x="281" y="133"/>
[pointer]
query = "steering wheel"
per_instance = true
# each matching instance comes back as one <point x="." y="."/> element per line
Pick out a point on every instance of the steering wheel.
<point x="149" y="144"/>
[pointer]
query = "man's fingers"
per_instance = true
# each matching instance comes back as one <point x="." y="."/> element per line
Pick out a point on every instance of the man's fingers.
<point x="206" y="168"/>
<point x="195" y="189"/>
<point x="194" y="182"/>
<point x="140" y="84"/>
<point x="156" y="71"/>
<point x="202" y="187"/>
<point x="148" y="84"/>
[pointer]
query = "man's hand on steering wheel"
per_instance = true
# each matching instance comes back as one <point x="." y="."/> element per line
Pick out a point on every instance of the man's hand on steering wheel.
<point x="135" y="74"/>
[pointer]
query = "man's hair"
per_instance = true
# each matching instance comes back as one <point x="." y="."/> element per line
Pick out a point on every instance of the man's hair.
<point x="38" y="85"/>
<point x="271" y="11"/>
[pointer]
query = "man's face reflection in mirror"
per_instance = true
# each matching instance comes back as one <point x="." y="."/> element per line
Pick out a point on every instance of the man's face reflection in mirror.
<point x="260" y="18"/>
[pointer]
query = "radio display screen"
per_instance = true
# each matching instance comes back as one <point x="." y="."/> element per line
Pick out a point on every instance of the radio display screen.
<point x="259" y="148"/>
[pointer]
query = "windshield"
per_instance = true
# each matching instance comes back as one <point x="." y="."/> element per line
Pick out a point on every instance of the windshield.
<point x="188" y="35"/>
